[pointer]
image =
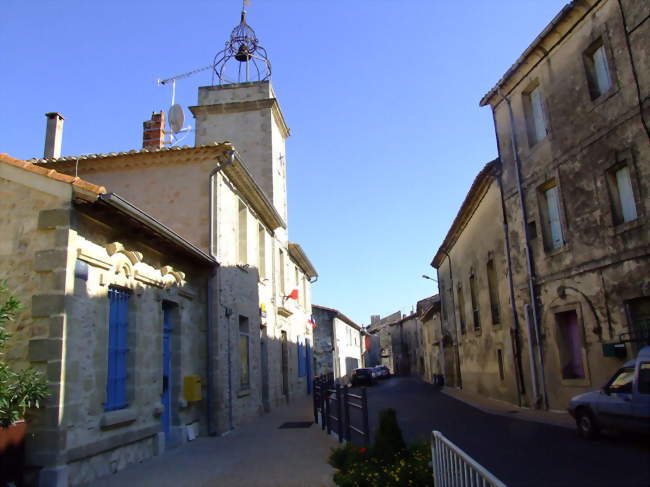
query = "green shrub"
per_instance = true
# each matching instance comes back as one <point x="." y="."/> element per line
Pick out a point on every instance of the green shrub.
<point x="19" y="389"/>
<point x="389" y="441"/>
<point x="386" y="464"/>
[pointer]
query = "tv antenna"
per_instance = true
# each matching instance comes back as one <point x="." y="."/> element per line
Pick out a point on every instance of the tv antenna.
<point x="175" y="114"/>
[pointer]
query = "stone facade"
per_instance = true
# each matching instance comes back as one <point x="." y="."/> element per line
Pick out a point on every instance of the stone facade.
<point x="556" y="230"/>
<point x="63" y="249"/>
<point x="259" y="329"/>
<point x="338" y="343"/>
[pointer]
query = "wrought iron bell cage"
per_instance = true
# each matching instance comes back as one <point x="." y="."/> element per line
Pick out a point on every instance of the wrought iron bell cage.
<point x="252" y="62"/>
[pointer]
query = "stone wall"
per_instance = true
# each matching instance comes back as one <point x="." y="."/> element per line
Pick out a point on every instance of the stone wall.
<point x="601" y="265"/>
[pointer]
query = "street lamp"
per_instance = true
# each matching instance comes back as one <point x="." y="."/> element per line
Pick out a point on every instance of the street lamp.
<point x="424" y="276"/>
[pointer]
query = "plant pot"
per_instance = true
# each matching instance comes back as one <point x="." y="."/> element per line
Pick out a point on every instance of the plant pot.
<point x="12" y="453"/>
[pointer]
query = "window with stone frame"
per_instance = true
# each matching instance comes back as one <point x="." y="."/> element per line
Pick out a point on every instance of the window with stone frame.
<point x="552" y="231"/>
<point x="599" y="77"/>
<point x="476" y="314"/>
<point x="261" y="251"/>
<point x="536" y="125"/>
<point x="493" y="291"/>
<point x="244" y="352"/>
<point x="619" y="183"/>
<point x="281" y="276"/>
<point x="242" y="233"/>
<point x="461" y="309"/>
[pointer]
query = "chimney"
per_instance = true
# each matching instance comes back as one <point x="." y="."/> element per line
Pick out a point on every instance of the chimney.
<point x="153" y="135"/>
<point x="53" y="135"/>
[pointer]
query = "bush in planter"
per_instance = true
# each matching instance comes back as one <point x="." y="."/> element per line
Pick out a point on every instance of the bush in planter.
<point x="19" y="389"/>
<point x="390" y="462"/>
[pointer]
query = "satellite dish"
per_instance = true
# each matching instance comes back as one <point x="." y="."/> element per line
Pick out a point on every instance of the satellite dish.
<point x="176" y="118"/>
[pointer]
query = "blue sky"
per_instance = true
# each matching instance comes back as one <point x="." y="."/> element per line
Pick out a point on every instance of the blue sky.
<point x="381" y="97"/>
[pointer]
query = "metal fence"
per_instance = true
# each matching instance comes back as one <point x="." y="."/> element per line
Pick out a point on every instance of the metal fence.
<point x="340" y="411"/>
<point x="452" y="467"/>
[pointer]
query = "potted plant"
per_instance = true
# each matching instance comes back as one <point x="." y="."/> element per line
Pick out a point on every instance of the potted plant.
<point x="19" y="391"/>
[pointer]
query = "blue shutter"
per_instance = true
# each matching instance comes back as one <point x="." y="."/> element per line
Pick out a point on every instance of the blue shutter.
<point x="301" y="358"/>
<point x="117" y="349"/>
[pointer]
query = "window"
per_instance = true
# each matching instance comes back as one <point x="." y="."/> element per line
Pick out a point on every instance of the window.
<point x="553" y="236"/>
<point x="244" y="357"/>
<point x="282" y="285"/>
<point x="494" y="293"/>
<point x="302" y="357"/>
<point x="570" y="345"/>
<point x="535" y="118"/>
<point x="475" y="306"/>
<point x="304" y="292"/>
<point x="598" y="76"/>
<point x="644" y="378"/>
<point x="500" y="362"/>
<point x="118" y="327"/>
<point x="242" y="244"/>
<point x="261" y="251"/>
<point x="621" y="383"/>
<point x="461" y="309"/>
<point x="620" y="188"/>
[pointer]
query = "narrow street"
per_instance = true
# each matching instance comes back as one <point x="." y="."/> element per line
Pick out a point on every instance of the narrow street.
<point x="519" y="452"/>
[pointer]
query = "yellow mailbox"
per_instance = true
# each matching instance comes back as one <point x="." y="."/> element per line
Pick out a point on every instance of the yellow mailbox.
<point x="192" y="388"/>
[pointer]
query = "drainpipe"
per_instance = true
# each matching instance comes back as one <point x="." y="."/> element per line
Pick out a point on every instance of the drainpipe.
<point x="516" y="337"/>
<point x="215" y="275"/>
<point x="453" y="305"/>
<point x="530" y="267"/>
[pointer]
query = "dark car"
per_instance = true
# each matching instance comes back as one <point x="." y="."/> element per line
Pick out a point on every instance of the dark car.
<point x="362" y="377"/>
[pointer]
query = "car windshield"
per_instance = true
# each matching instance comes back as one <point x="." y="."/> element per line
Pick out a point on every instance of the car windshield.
<point x="622" y="381"/>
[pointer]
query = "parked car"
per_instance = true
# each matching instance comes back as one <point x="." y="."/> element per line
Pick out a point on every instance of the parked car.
<point x="622" y="404"/>
<point x="381" y="371"/>
<point x="362" y="377"/>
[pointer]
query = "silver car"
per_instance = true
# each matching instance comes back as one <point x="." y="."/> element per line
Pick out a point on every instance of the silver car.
<point x="623" y="404"/>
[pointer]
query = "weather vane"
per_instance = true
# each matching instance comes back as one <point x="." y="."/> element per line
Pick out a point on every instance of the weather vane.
<point x="243" y="47"/>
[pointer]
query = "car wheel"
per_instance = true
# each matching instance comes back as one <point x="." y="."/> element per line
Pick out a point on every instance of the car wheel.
<point x="586" y="423"/>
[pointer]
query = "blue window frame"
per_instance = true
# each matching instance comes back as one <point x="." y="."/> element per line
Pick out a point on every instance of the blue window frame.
<point x="118" y="327"/>
<point x="302" y="358"/>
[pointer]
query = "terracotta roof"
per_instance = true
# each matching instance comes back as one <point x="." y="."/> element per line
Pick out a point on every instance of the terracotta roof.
<point x="548" y="36"/>
<point x="339" y="315"/>
<point x="474" y="196"/>
<point x="76" y="182"/>
<point x="85" y="157"/>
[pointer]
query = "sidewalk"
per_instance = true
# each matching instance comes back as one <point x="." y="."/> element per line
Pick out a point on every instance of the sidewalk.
<point x="257" y="454"/>
<point x="494" y="406"/>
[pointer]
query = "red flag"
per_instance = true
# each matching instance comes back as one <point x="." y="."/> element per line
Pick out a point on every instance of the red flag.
<point x="312" y="322"/>
<point x="293" y="295"/>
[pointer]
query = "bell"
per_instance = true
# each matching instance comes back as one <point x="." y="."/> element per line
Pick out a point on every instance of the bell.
<point x="242" y="54"/>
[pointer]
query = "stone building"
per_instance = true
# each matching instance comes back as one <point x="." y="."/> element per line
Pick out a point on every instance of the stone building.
<point x="562" y="215"/>
<point x="476" y="324"/>
<point x="406" y="344"/>
<point x="250" y="314"/>
<point x="114" y="315"/>
<point x="433" y="348"/>
<point x="379" y="333"/>
<point x="338" y="343"/>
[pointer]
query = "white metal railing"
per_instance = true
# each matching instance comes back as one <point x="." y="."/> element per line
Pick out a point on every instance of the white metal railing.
<point x="452" y="467"/>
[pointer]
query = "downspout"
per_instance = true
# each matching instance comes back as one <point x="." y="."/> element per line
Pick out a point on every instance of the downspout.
<point x="453" y="304"/>
<point x="215" y="275"/>
<point x="516" y="338"/>
<point x="530" y="267"/>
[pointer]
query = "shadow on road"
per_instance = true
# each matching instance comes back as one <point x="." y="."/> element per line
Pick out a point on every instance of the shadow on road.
<point x="518" y="452"/>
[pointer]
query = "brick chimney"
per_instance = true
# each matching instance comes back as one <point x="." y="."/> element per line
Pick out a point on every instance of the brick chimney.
<point x="153" y="136"/>
<point x="53" y="135"/>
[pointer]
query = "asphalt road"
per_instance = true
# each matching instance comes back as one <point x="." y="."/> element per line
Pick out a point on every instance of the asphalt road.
<point x="518" y="452"/>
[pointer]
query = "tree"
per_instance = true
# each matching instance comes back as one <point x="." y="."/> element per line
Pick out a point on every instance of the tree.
<point x="19" y="389"/>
